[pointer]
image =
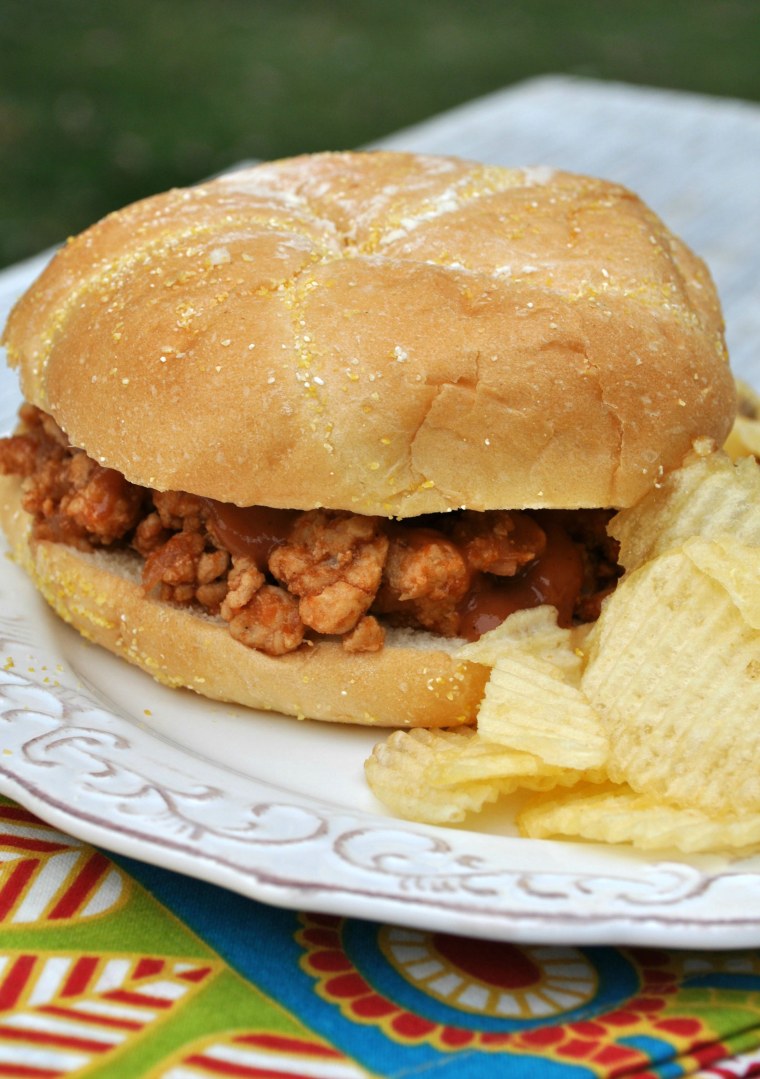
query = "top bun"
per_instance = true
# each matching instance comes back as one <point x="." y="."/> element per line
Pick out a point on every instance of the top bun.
<point x="384" y="333"/>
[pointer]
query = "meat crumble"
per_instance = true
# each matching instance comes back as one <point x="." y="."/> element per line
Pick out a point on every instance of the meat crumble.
<point x="278" y="578"/>
<point x="72" y="499"/>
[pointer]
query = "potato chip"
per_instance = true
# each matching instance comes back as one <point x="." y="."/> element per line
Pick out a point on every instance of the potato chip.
<point x="744" y="437"/>
<point x="748" y="399"/>
<point x="733" y="565"/>
<point x="398" y="772"/>
<point x="616" y="814"/>
<point x="439" y="776"/>
<point x="674" y="674"/>
<point x="478" y="760"/>
<point x="529" y="705"/>
<point x="532" y="632"/>
<point x="709" y="497"/>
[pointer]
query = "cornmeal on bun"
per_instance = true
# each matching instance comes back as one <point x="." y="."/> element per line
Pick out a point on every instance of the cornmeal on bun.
<point x="292" y="434"/>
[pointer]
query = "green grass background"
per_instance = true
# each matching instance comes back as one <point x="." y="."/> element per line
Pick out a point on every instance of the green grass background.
<point x="102" y="103"/>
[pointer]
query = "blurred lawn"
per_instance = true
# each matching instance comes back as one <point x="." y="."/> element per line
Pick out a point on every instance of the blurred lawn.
<point x="103" y="102"/>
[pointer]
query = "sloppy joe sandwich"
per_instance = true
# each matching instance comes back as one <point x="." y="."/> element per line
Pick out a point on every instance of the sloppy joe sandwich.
<point x="292" y="435"/>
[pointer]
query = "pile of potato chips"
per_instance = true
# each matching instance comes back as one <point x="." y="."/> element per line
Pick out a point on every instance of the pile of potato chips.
<point x="645" y="727"/>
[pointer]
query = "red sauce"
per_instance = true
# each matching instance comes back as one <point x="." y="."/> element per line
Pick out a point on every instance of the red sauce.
<point x="556" y="578"/>
<point x="527" y="541"/>
<point x="253" y="531"/>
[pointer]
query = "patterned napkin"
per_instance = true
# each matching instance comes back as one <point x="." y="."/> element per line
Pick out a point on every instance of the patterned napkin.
<point x="110" y="967"/>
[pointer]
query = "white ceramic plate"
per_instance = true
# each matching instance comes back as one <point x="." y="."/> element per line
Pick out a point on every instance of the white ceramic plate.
<point x="278" y="810"/>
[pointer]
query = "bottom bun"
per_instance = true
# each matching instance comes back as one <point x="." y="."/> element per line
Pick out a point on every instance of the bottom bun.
<point x="412" y="682"/>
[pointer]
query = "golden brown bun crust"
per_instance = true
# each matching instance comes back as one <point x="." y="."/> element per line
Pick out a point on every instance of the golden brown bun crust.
<point x="397" y="687"/>
<point x="384" y="333"/>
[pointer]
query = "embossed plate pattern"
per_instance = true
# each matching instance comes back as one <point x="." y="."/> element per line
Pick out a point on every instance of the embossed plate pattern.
<point x="278" y="810"/>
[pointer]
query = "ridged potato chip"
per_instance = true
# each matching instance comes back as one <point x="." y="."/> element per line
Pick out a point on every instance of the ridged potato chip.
<point x="399" y="769"/>
<point x="616" y="814"/>
<point x="744" y="437"/>
<point x="748" y="399"/>
<point x="674" y="674"/>
<point x="533" y="632"/>
<point x="710" y="497"/>
<point x="439" y="776"/>
<point x="478" y="760"/>
<point x="529" y="705"/>
<point x="733" y="565"/>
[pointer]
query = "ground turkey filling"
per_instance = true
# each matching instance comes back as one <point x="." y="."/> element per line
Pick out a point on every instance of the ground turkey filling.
<point x="279" y="577"/>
